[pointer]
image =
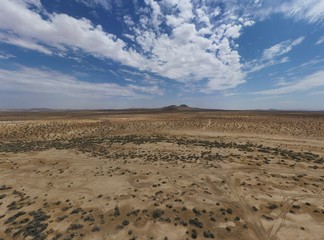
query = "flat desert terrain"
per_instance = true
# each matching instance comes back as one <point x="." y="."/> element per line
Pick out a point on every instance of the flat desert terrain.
<point x="166" y="174"/>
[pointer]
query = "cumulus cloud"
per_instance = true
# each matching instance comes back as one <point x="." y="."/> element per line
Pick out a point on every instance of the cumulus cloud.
<point x="312" y="81"/>
<point x="26" y="28"/>
<point x="195" y="47"/>
<point x="28" y="3"/>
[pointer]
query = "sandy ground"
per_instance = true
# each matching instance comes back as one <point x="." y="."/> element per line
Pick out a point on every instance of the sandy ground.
<point x="162" y="175"/>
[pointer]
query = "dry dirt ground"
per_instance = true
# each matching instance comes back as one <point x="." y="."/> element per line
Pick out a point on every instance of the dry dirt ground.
<point x="161" y="175"/>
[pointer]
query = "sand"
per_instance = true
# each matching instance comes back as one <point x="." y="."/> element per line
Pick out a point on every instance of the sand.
<point x="161" y="175"/>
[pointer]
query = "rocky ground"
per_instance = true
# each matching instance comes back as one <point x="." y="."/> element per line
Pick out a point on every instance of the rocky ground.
<point x="161" y="175"/>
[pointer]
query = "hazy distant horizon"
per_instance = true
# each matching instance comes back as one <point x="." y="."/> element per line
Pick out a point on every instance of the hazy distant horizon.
<point x="154" y="108"/>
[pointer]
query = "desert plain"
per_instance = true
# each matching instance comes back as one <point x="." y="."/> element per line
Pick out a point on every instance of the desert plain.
<point x="161" y="174"/>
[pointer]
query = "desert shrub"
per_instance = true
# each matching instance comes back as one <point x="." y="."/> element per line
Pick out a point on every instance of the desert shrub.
<point x="117" y="211"/>
<point x="25" y="220"/>
<point x="14" y="206"/>
<point x="125" y="222"/>
<point x="76" y="211"/>
<point x="267" y="217"/>
<point x="89" y="218"/>
<point x="196" y="211"/>
<point x="60" y="219"/>
<point x="36" y="227"/>
<point x="272" y="206"/>
<point x="95" y="229"/>
<point x="57" y="236"/>
<point x="194" y="234"/>
<point x="75" y="226"/>
<point x="229" y="210"/>
<point x="4" y="187"/>
<point x="196" y="223"/>
<point x="39" y="215"/>
<point x="157" y="213"/>
<point x="14" y="217"/>
<point x="255" y="209"/>
<point x="208" y="234"/>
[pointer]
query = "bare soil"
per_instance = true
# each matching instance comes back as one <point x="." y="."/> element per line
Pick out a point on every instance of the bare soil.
<point x="161" y="175"/>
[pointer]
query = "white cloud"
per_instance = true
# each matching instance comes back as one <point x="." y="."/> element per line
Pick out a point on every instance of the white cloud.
<point x="311" y="10"/>
<point x="301" y="10"/>
<point x="216" y="12"/>
<point x="61" y="31"/>
<point x="155" y="90"/>
<point x="281" y="48"/>
<point x="34" y="3"/>
<point x="314" y="64"/>
<point x="184" y="53"/>
<point x="270" y="56"/>
<point x="24" y="43"/>
<point x="282" y="82"/>
<point x="230" y="94"/>
<point x="313" y="81"/>
<point x="320" y="40"/>
<point x="6" y="56"/>
<point x="233" y="31"/>
<point x="26" y="79"/>
<point x="31" y="87"/>
<point x="44" y="81"/>
<point x="321" y="93"/>
<point x="155" y="17"/>
<point x="128" y="21"/>
<point x="284" y="60"/>
<point x="106" y="4"/>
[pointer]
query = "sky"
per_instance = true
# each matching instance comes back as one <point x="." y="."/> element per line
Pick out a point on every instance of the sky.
<point x="222" y="54"/>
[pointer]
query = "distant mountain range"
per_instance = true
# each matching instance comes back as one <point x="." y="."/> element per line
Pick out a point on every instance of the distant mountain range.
<point x="182" y="107"/>
<point x="170" y="108"/>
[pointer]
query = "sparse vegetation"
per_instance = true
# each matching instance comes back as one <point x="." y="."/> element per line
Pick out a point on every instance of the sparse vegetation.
<point x="157" y="213"/>
<point x="108" y="175"/>
<point x="75" y="226"/>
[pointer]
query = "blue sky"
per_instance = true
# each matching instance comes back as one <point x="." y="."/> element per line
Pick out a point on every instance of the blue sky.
<point x="230" y="54"/>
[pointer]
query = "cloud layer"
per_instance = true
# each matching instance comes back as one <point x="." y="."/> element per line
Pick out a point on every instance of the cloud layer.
<point x="311" y="81"/>
<point x="310" y="11"/>
<point x="35" y="80"/>
<point x="155" y="47"/>
<point x="192" y="46"/>
<point x="273" y="55"/>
